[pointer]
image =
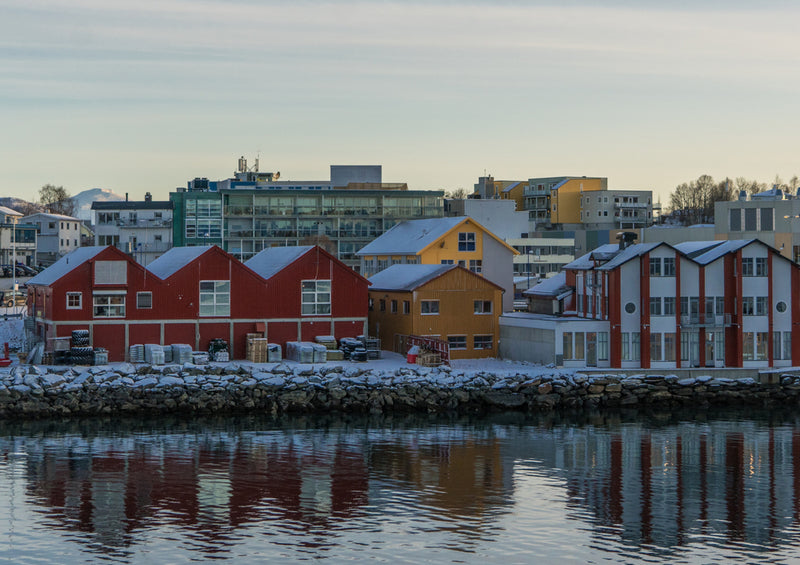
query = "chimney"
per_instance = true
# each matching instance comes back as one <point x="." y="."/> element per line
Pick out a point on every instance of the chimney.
<point x="148" y="197"/>
<point x="626" y="239"/>
<point x="126" y="197"/>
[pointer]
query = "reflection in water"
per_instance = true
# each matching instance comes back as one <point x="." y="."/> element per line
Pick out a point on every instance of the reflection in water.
<point x="289" y="489"/>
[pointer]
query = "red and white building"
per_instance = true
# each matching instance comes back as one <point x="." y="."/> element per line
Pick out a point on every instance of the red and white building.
<point x="656" y="305"/>
<point x="194" y="294"/>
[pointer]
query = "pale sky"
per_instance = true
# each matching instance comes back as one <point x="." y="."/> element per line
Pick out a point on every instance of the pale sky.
<point x="143" y="95"/>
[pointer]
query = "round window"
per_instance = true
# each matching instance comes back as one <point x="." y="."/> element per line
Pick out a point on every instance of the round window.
<point x="781" y="306"/>
<point x="630" y="307"/>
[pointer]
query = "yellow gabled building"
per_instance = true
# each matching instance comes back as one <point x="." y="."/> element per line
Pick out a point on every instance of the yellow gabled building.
<point x="444" y="241"/>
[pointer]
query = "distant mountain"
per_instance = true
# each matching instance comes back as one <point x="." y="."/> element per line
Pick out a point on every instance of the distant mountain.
<point x="20" y="205"/>
<point x="83" y="201"/>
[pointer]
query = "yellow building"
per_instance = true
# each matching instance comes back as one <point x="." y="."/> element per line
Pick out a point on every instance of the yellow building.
<point x="444" y="241"/>
<point x="443" y="301"/>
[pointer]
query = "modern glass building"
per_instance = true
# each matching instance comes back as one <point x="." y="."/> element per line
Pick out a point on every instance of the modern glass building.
<point x="254" y="211"/>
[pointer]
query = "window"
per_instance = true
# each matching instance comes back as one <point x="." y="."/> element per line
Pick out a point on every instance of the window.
<point x="767" y="219"/>
<point x="371" y="303"/>
<point x="655" y="305"/>
<point x="475" y="265"/>
<point x="144" y="300"/>
<point x="579" y="345"/>
<point x="748" y="306"/>
<point x="157" y="238"/>
<point x="567" y="345"/>
<point x="635" y="346"/>
<point x="317" y="297"/>
<point x="750" y="219"/>
<point x="669" y="347"/>
<point x="466" y="241"/>
<point x="448" y="262"/>
<point x="482" y="342"/>
<point x="655" y="347"/>
<point x="735" y="222"/>
<point x="669" y="305"/>
<point x="748" y="354"/>
<point x="406" y="307"/>
<point x="761" y="305"/>
<point x="215" y="298"/>
<point x="762" y="341"/>
<point x="383" y="305"/>
<point x="482" y="306"/>
<point x="747" y="267"/>
<point x="655" y="267"/>
<point x="74" y="301"/>
<point x="630" y="307"/>
<point x="394" y="306"/>
<point x="109" y="306"/>
<point x="602" y="346"/>
<point x="630" y="346"/>
<point x="457" y="341"/>
<point x="429" y="307"/>
<point x="781" y="307"/>
<point x="669" y="266"/>
<point x="720" y="300"/>
<point x="761" y="266"/>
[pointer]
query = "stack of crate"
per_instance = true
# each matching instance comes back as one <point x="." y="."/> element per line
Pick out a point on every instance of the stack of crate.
<point x="333" y="353"/>
<point x="257" y="348"/>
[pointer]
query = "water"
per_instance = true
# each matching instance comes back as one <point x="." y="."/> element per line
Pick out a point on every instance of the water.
<point x="677" y="488"/>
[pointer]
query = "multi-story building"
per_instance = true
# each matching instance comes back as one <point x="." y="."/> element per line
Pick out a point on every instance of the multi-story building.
<point x="586" y="203"/>
<point x="254" y="211"/>
<point x="772" y="216"/>
<point x="142" y="229"/>
<point x="655" y="305"/>
<point x="487" y="188"/>
<point x="57" y="235"/>
<point x="17" y="239"/>
<point x="444" y="241"/>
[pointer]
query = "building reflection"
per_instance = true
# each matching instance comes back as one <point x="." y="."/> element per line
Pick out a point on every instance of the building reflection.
<point x="661" y="486"/>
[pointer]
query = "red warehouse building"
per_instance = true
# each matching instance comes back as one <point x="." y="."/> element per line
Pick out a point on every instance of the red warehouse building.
<point x="194" y="294"/>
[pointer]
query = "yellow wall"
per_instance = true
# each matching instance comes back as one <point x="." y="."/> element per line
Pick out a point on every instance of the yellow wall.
<point x="565" y="203"/>
<point x="456" y="292"/>
<point x="447" y="247"/>
<point x="517" y="194"/>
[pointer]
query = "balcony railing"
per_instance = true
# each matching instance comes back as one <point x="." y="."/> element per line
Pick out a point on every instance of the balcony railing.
<point x="705" y="321"/>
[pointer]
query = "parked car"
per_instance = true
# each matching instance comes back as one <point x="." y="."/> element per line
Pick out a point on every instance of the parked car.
<point x="25" y="270"/>
<point x="13" y="298"/>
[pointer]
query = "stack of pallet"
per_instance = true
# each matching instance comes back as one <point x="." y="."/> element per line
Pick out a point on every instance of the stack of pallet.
<point x="333" y="353"/>
<point x="257" y="349"/>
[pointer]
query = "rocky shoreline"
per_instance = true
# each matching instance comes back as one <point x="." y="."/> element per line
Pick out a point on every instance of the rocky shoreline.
<point x="125" y="389"/>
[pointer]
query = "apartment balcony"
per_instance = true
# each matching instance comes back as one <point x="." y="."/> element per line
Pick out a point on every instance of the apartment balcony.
<point x="703" y="321"/>
<point x="630" y="205"/>
<point x="143" y="224"/>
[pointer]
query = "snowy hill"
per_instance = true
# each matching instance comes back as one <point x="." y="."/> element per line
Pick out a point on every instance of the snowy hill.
<point x="83" y="201"/>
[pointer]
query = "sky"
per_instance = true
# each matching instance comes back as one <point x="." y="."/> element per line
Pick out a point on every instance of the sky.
<point x="142" y="96"/>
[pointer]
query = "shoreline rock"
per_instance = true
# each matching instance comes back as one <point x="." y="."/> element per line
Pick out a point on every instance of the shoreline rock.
<point x="40" y="392"/>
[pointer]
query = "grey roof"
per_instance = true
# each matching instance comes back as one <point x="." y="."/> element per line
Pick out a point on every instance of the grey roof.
<point x="9" y="212"/>
<point x="66" y="264"/>
<point x="585" y="262"/>
<point x="175" y="259"/>
<point x="274" y="259"/>
<point x="722" y="249"/>
<point x="133" y="205"/>
<point x="406" y="276"/>
<point x="555" y="286"/>
<point x="512" y="186"/>
<point x="411" y="236"/>
<point x="636" y="250"/>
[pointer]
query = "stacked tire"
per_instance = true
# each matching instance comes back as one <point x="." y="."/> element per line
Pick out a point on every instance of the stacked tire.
<point x="80" y="338"/>
<point x="81" y="355"/>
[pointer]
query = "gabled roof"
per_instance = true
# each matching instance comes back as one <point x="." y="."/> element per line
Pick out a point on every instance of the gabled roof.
<point x="272" y="260"/>
<point x="408" y="277"/>
<point x="52" y="216"/>
<point x="512" y="186"/>
<point x="410" y="237"/>
<point x="66" y="264"/>
<point x="725" y="247"/>
<point x="175" y="259"/>
<point x="630" y="252"/>
<point x="9" y="212"/>
<point x="585" y="262"/>
<point x="414" y="236"/>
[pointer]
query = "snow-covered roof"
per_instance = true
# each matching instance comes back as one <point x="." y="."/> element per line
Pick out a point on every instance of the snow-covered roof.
<point x="66" y="264"/>
<point x="411" y="236"/>
<point x="722" y="249"/>
<point x="175" y="259"/>
<point x="9" y="212"/>
<point x="636" y="250"/>
<point x="52" y="216"/>
<point x="693" y="249"/>
<point x="554" y="286"/>
<point x="585" y="262"/>
<point x="407" y="277"/>
<point x="272" y="260"/>
<point x="512" y="186"/>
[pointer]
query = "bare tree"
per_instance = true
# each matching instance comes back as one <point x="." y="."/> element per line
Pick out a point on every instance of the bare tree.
<point x="749" y="186"/>
<point x="56" y="199"/>
<point x="457" y="194"/>
<point x="694" y="201"/>
<point x="322" y="240"/>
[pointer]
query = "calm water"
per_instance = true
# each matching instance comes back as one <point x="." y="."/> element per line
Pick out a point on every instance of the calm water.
<point x="677" y="488"/>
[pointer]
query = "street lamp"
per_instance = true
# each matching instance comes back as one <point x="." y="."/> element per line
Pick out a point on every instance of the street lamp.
<point x="14" y="253"/>
<point x="205" y="237"/>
